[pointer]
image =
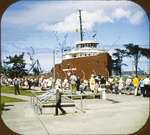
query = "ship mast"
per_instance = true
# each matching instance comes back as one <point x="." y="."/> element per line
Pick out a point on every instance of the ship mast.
<point x="81" y="32"/>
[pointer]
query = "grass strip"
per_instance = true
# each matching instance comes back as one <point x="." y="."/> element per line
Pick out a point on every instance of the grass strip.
<point x="10" y="89"/>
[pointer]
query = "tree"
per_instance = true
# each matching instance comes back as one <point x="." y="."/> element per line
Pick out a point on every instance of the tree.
<point x="36" y="71"/>
<point x="2" y="69"/>
<point x="134" y="51"/>
<point x="15" y="66"/>
<point x="145" y="52"/>
<point x="117" y="62"/>
<point x="115" y="66"/>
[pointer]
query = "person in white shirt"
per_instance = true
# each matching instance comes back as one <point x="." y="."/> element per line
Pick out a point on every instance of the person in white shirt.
<point x="49" y="82"/>
<point x="44" y="83"/>
<point x="16" y="82"/>
<point x="128" y="84"/>
<point x="128" y="81"/>
<point x="147" y="86"/>
<point x="120" y="85"/>
<point x="92" y="83"/>
<point x="73" y="85"/>
<point x="58" y="83"/>
<point x="65" y="84"/>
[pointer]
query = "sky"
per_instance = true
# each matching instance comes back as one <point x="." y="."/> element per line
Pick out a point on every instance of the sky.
<point x="39" y="27"/>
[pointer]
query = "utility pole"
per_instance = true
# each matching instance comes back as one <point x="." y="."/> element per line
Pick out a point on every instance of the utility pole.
<point x="54" y="53"/>
<point x="132" y="67"/>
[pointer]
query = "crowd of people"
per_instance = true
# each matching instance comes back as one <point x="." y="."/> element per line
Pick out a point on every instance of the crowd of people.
<point x="130" y="85"/>
<point x="29" y="83"/>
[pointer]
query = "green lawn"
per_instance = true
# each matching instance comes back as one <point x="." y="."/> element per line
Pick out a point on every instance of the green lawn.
<point x="10" y="89"/>
<point x="5" y="99"/>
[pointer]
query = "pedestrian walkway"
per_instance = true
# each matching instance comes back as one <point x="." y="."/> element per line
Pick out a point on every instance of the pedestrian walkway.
<point x="119" y="114"/>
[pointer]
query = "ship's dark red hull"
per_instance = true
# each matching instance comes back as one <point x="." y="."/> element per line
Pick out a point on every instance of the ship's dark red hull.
<point x="85" y="66"/>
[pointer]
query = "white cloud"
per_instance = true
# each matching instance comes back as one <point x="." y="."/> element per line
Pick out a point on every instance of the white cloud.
<point x="71" y="22"/>
<point x="133" y="17"/>
<point x="67" y="25"/>
<point x="136" y="18"/>
<point x="121" y="13"/>
<point x="90" y="18"/>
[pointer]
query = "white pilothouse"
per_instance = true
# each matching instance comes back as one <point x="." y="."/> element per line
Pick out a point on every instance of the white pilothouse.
<point x="83" y="49"/>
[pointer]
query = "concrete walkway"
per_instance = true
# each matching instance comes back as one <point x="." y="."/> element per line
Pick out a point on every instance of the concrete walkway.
<point x="119" y="114"/>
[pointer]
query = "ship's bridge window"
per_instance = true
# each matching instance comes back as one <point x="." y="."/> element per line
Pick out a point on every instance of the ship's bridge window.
<point x="93" y="45"/>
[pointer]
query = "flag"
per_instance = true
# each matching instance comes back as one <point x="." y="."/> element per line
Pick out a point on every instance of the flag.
<point x="94" y="35"/>
<point x="66" y="49"/>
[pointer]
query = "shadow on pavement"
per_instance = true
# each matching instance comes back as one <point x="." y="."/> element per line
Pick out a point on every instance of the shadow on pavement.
<point x="9" y="105"/>
<point x="4" y="107"/>
<point x="113" y="101"/>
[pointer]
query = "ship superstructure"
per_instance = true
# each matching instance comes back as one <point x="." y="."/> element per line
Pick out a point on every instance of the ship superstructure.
<point x="83" y="49"/>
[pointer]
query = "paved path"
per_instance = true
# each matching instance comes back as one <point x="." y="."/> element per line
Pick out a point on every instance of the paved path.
<point x="119" y="114"/>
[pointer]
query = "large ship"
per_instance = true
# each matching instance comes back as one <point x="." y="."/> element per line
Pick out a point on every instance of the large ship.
<point x="83" y="60"/>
